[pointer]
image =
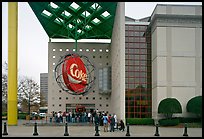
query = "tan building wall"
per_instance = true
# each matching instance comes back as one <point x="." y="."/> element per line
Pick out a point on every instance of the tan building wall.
<point x="106" y="55"/>
<point x="99" y="55"/>
<point x="176" y="54"/>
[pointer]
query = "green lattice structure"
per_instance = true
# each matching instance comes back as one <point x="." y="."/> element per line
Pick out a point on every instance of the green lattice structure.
<point x="76" y="20"/>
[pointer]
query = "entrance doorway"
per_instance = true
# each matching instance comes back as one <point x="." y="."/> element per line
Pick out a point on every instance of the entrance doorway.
<point x="80" y="107"/>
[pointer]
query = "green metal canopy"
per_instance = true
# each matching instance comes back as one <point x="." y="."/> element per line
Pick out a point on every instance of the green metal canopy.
<point x="76" y="20"/>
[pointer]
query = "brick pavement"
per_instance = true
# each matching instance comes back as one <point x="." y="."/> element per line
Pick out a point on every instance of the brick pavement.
<point x="22" y="130"/>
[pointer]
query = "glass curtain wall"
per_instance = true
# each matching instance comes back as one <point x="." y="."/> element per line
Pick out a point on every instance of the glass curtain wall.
<point x="138" y="97"/>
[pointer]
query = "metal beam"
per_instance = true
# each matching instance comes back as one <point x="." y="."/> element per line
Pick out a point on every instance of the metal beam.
<point x="12" y="62"/>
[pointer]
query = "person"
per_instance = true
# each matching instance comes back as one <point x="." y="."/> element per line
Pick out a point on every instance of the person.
<point x="96" y="121"/>
<point x="64" y="117"/>
<point x="122" y="125"/>
<point x="109" y="121"/>
<point x="105" y="122"/>
<point x="89" y="117"/>
<point x="116" y="121"/>
<point x="112" y="123"/>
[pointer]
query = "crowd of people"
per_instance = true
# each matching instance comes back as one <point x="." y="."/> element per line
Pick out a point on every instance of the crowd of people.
<point x="108" y="121"/>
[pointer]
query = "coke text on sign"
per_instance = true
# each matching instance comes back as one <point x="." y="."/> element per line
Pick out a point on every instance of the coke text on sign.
<point x="74" y="74"/>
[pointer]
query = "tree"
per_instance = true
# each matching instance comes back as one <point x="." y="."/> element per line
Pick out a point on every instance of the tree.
<point x="194" y="105"/>
<point x="4" y="86"/>
<point x="28" y="93"/>
<point x="26" y="86"/>
<point x="169" y="106"/>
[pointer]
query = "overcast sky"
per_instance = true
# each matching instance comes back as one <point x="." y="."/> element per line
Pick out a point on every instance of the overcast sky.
<point x="33" y="40"/>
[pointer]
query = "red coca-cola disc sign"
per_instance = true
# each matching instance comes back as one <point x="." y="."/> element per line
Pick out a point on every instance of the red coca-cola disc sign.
<point x="74" y="73"/>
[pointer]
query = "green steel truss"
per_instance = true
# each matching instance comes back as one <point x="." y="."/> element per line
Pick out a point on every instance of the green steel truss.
<point x="76" y="20"/>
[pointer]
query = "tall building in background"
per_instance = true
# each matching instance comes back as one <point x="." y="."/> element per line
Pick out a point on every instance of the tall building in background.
<point x="44" y="86"/>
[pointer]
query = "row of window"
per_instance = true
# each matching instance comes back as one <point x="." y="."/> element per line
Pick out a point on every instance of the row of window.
<point x="81" y="98"/>
<point x="137" y="52"/>
<point x="135" y="28"/>
<point x="87" y="50"/>
<point x="61" y="105"/>
<point x="139" y="114"/>
<point x="98" y="63"/>
<point x="93" y="56"/>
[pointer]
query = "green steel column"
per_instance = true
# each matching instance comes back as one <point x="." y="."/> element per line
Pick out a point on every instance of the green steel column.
<point x="12" y="62"/>
<point x="76" y="36"/>
<point x="76" y="45"/>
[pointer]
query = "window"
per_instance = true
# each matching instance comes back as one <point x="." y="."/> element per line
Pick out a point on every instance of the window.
<point x="137" y="72"/>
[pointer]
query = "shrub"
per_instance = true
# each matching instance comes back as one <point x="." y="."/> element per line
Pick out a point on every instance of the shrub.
<point x="22" y="115"/>
<point x="140" y="121"/>
<point x="189" y="120"/>
<point x="168" y="122"/>
<point x="169" y="106"/>
<point x="194" y="105"/>
<point x="4" y="114"/>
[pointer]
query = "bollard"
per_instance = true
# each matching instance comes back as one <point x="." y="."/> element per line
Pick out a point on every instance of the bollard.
<point x="185" y="130"/>
<point x="128" y="132"/>
<point x="66" y="130"/>
<point x="97" y="131"/>
<point x="5" y="129"/>
<point x="35" y="130"/>
<point x="157" y="131"/>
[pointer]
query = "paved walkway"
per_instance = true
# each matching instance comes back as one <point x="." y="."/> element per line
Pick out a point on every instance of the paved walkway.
<point x="89" y="131"/>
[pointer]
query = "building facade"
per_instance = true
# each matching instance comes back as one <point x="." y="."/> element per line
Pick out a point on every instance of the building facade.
<point x="138" y="85"/>
<point x="176" y="32"/>
<point x="44" y="86"/>
<point x="149" y="60"/>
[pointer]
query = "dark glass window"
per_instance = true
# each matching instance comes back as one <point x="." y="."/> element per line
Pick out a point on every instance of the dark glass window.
<point x="138" y="97"/>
